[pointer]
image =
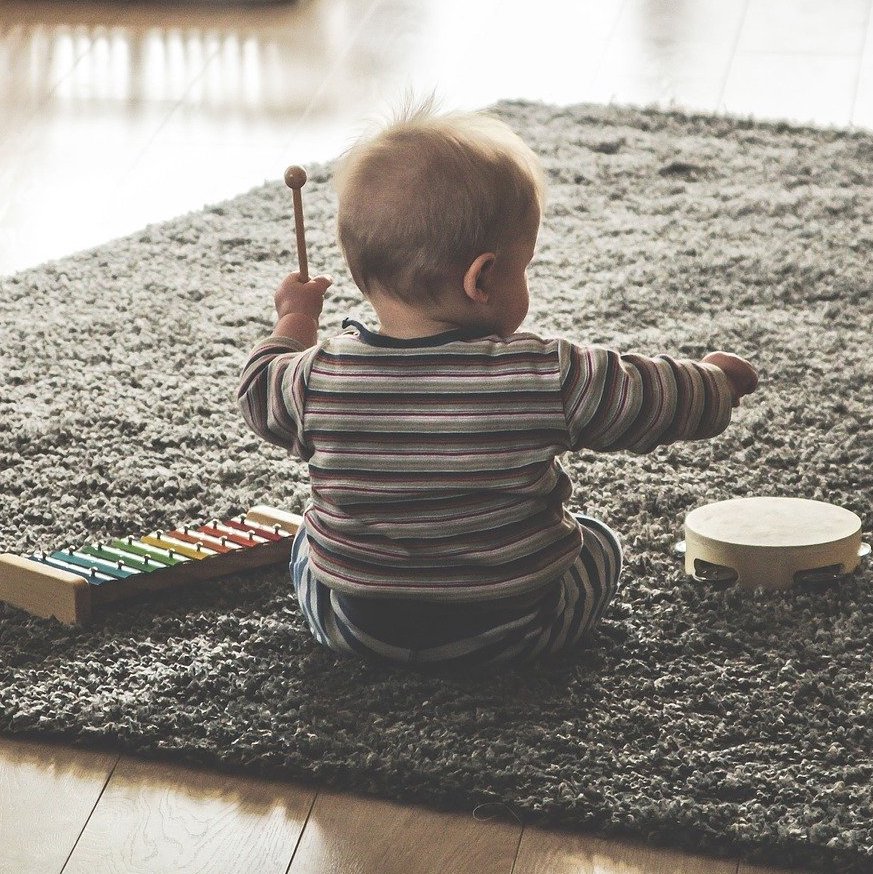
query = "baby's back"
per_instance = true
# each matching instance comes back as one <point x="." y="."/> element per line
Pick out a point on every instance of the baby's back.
<point x="433" y="468"/>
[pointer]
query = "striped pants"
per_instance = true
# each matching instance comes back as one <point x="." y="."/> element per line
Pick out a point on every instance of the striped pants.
<point x="470" y="634"/>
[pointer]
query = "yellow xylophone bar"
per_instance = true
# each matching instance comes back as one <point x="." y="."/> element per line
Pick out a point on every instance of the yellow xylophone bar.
<point x="69" y="584"/>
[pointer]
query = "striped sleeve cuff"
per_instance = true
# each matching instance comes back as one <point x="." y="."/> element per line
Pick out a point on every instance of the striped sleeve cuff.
<point x="704" y="401"/>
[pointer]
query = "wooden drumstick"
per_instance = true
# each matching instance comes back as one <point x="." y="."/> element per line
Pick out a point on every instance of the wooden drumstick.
<point x="295" y="179"/>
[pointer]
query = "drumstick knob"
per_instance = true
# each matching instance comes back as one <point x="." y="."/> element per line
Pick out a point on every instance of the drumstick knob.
<point x="295" y="179"/>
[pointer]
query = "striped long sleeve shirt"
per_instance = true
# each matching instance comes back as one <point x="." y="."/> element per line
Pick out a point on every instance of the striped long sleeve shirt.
<point x="433" y="462"/>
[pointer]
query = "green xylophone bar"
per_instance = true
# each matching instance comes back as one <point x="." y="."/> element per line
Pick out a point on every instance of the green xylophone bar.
<point x="71" y="583"/>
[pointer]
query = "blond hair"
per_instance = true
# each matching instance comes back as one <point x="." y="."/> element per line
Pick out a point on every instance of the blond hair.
<point x="428" y="193"/>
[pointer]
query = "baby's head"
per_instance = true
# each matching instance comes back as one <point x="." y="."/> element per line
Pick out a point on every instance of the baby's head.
<point x="438" y="217"/>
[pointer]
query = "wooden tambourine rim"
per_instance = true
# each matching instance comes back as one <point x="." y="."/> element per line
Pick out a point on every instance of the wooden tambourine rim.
<point x="723" y="535"/>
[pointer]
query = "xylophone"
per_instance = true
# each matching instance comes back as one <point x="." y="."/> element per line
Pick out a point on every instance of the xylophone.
<point x="70" y="583"/>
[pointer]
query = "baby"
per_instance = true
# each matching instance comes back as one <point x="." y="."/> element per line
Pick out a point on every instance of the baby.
<point x="437" y="532"/>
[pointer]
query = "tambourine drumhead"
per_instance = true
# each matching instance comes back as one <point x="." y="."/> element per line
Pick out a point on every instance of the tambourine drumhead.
<point x="766" y="540"/>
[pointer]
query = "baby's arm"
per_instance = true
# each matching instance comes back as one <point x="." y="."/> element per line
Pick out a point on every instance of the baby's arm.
<point x="273" y="379"/>
<point x="635" y="402"/>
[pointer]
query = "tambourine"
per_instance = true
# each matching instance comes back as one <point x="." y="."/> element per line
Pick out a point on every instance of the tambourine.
<point x="771" y="543"/>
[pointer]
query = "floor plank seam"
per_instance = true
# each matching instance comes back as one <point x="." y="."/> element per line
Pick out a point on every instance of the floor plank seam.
<point x="129" y="170"/>
<point x="302" y="830"/>
<point x="517" y="850"/>
<point x="730" y="64"/>
<point x="607" y="43"/>
<point x="866" y="48"/>
<point x="88" y="818"/>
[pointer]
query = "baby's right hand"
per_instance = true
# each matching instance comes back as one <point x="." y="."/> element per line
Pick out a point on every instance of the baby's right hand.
<point x="294" y="296"/>
<point x="742" y="377"/>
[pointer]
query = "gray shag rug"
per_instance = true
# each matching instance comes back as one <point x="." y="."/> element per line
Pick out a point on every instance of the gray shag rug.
<point x="698" y="717"/>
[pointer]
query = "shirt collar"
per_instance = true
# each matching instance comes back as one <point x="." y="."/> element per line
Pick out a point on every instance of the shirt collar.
<point x="373" y="339"/>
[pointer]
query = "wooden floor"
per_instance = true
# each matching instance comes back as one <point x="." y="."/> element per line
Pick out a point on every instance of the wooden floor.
<point x="118" y="114"/>
<point x="82" y="812"/>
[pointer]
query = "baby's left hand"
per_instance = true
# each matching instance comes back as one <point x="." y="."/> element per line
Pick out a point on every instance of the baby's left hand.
<point x="743" y="378"/>
<point x="306" y="298"/>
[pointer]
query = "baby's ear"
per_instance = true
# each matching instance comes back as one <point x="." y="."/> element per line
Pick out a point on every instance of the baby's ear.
<point x="476" y="277"/>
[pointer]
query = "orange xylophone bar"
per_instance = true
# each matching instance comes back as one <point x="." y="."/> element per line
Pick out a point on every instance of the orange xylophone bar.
<point x="69" y="583"/>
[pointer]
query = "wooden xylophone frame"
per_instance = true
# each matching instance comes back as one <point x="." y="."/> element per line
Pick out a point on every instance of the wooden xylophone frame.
<point x="46" y="591"/>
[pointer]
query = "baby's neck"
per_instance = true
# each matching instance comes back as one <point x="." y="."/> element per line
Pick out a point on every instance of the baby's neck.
<point x="407" y="330"/>
<point x="398" y="319"/>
